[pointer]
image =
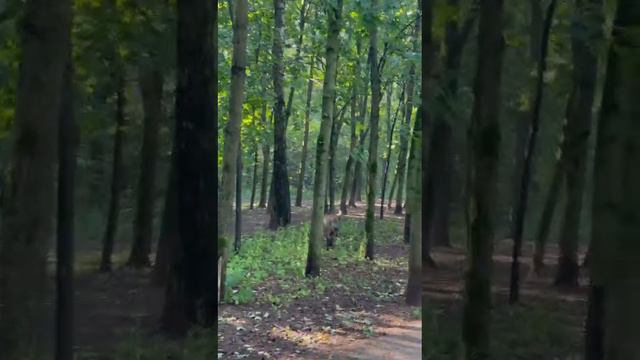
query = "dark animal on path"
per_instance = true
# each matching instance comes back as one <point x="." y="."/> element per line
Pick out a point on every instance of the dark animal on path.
<point x="330" y="226"/>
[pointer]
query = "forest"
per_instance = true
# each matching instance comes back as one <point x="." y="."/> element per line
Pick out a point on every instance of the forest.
<point x="366" y="179"/>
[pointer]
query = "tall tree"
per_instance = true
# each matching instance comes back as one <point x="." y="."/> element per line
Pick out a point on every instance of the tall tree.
<point x="387" y="160"/>
<point x="190" y="299"/>
<point x="305" y="140"/>
<point x="579" y="114"/>
<point x="280" y="207"/>
<point x="232" y="145"/>
<point x="615" y="290"/>
<point x="376" y="96"/>
<point x="334" y="14"/>
<point x="484" y="145"/>
<point x="414" y="190"/>
<point x="348" y="172"/>
<point x="28" y="205"/>
<point x="405" y="128"/>
<point x="116" y="171"/>
<point x="151" y="87"/>
<point x="67" y="147"/>
<point x="514" y="288"/>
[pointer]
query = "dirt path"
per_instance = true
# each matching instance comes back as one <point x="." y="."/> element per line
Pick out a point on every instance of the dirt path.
<point x="400" y="341"/>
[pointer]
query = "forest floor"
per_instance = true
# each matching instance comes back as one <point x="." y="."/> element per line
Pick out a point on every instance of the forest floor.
<point x="354" y="310"/>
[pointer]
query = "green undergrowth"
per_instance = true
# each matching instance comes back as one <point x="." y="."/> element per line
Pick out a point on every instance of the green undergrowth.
<point x="269" y="261"/>
<point x="526" y="333"/>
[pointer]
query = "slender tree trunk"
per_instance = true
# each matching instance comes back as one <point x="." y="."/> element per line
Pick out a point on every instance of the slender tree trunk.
<point x="301" y="23"/>
<point x="585" y="72"/>
<point x="266" y="151"/>
<point x="238" y="222"/>
<point x="393" y="189"/>
<point x="547" y="215"/>
<point x="334" y="14"/>
<point x="280" y="207"/>
<point x="514" y="287"/>
<point x="372" y="164"/>
<point x="305" y="141"/>
<point x="616" y="216"/>
<point x="29" y="207"/>
<point x="404" y="138"/>
<point x="485" y="144"/>
<point x="414" y="207"/>
<point x="151" y="84"/>
<point x="116" y="177"/>
<point x="190" y="299"/>
<point x="333" y="145"/>
<point x="348" y="172"/>
<point x="389" y="144"/>
<point x="232" y="144"/>
<point x="356" y="191"/>
<point x="169" y="231"/>
<point x="254" y="177"/>
<point x="67" y="145"/>
<point x="439" y="177"/>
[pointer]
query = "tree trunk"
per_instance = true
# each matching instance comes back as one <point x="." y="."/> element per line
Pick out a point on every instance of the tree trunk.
<point x="151" y="84"/>
<point x="116" y="176"/>
<point x="265" y="162"/>
<point x="389" y="144"/>
<point x="485" y="144"/>
<point x="190" y="299"/>
<point x="301" y="23"/>
<point x="334" y="14"/>
<point x="67" y="145"/>
<point x="169" y="232"/>
<point x="348" y="172"/>
<point x="372" y="164"/>
<point x="514" y="286"/>
<point x="547" y="215"/>
<point x="585" y="71"/>
<point x="280" y="208"/>
<point x="29" y="207"/>
<point x="356" y="190"/>
<point x="305" y="141"/>
<point x="393" y="189"/>
<point x="232" y="144"/>
<point x="439" y="177"/>
<point x="404" y="138"/>
<point x="414" y="214"/>
<point x="336" y="126"/>
<point x="616" y="216"/>
<point x="238" y="222"/>
<point x="254" y="177"/>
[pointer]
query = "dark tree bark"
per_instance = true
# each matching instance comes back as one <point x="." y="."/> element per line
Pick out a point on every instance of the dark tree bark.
<point x="169" y="232"/>
<point x="305" y="141"/>
<point x="372" y="163"/>
<point x="190" y="299"/>
<point x="116" y="176"/>
<point x="67" y="145"/>
<point x="29" y="204"/>
<point x="485" y="144"/>
<point x="514" y="286"/>
<point x="438" y="191"/>
<point x="547" y="215"/>
<point x="265" y="163"/>
<point x="151" y="84"/>
<point x="616" y="216"/>
<point x="280" y="207"/>
<point x="579" y="110"/>
<point x="254" y="177"/>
